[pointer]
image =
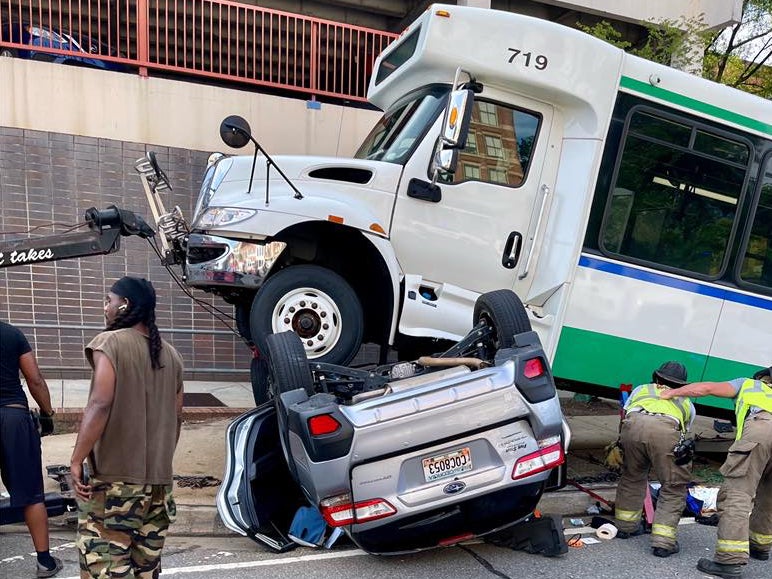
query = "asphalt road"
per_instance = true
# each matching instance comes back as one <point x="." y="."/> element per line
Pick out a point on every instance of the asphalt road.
<point x="237" y="558"/>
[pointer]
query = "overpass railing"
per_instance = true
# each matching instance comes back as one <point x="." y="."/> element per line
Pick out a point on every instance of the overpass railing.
<point x="220" y="40"/>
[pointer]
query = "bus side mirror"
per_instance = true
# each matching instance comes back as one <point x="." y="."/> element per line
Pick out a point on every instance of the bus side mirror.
<point x="445" y="160"/>
<point x="458" y="114"/>
<point x="235" y="131"/>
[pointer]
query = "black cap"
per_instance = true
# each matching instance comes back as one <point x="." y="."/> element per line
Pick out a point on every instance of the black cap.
<point x="764" y="372"/>
<point x="670" y="373"/>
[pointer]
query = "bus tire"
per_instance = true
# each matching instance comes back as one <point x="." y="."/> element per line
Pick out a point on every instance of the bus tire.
<point x="258" y="375"/>
<point x="315" y="303"/>
<point x="287" y="364"/>
<point x="504" y="311"/>
<point x="242" y="311"/>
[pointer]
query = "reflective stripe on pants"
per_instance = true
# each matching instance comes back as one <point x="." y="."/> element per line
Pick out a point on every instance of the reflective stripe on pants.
<point x="664" y="531"/>
<point x="628" y="516"/>
<point x="726" y="546"/>
<point x="759" y="539"/>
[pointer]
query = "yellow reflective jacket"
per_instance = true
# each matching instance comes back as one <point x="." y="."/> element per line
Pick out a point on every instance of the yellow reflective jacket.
<point x="751" y="393"/>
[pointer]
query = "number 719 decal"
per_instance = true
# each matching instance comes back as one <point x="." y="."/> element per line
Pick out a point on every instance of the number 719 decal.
<point x="540" y="61"/>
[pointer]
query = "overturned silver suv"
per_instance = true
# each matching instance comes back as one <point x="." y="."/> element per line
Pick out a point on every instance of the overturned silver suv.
<point x="403" y="456"/>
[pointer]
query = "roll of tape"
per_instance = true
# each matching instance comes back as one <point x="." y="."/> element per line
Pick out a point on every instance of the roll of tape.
<point x="607" y="531"/>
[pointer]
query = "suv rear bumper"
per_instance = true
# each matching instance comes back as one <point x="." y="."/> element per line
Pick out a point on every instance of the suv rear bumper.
<point x="475" y="516"/>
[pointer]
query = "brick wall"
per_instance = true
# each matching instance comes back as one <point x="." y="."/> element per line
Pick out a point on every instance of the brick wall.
<point x="50" y="178"/>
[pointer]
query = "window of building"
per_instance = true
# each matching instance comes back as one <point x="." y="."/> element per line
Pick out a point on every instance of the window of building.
<point x="488" y="113"/>
<point x="471" y="143"/>
<point x="757" y="262"/>
<point x="471" y="171"/>
<point x="497" y="176"/>
<point x="505" y="152"/>
<point x="494" y="147"/>
<point x="675" y="197"/>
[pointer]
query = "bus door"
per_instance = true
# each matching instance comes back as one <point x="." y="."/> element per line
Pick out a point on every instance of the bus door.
<point x="481" y="232"/>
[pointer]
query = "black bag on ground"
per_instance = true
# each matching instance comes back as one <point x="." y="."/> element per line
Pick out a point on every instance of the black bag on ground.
<point x="543" y="535"/>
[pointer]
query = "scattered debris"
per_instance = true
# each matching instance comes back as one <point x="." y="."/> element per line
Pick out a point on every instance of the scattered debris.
<point x="196" y="482"/>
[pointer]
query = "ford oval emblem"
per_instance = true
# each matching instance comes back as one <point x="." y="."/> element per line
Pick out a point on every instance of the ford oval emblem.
<point x="454" y="487"/>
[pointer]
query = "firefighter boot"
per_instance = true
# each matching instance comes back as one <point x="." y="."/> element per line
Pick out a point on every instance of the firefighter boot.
<point x="720" y="569"/>
<point x="664" y="551"/>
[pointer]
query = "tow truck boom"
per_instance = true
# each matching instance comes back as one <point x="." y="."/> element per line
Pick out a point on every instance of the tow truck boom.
<point x="106" y="227"/>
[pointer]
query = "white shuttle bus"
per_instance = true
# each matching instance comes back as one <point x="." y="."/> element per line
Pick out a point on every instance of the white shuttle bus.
<point x="628" y="205"/>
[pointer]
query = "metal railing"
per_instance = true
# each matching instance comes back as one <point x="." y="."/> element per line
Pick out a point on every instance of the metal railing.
<point x="215" y="39"/>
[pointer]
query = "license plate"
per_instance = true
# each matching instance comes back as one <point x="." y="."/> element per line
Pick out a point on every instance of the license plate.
<point x="449" y="464"/>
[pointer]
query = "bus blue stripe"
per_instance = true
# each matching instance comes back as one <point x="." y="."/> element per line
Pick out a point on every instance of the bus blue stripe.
<point x="684" y="285"/>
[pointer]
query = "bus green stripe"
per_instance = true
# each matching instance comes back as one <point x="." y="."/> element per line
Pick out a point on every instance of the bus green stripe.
<point x="609" y="361"/>
<point x="694" y="104"/>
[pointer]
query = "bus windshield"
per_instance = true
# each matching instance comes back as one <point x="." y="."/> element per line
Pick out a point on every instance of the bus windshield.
<point x="399" y="130"/>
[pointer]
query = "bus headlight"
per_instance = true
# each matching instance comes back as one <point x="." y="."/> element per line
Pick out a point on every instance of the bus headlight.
<point x="220" y="216"/>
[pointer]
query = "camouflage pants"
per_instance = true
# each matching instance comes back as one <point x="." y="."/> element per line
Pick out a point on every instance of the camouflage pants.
<point x="122" y="529"/>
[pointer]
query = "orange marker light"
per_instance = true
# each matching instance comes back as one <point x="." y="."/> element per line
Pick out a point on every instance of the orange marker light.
<point x="443" y="13"/>
<point x="335" y="218"/>
<point x="377" y="228"/>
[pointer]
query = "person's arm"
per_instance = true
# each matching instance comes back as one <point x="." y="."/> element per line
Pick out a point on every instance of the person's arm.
<point x="94" y="420"/>
<point x="28" y="365"/>
<point x="180" y="396"/>
<point x="697" y="389"/>
<point x="180" y="392"/>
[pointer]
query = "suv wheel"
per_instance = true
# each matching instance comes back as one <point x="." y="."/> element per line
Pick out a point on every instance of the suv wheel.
<point x="504" y="311"/>
<point x="287" y="364"/>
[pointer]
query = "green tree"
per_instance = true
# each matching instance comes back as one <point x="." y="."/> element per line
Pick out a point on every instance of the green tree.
<point x="739" y="55"/>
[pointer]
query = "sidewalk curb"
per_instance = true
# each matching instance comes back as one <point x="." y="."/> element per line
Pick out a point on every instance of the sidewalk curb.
<point x="571" y="502"/>
<point x="194" y="520"/>
<point x="199" y="521"/>
<point x="191" y="521"/>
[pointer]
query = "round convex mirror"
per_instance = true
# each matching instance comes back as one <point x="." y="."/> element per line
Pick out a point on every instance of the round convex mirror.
<point x="235" y="131"/>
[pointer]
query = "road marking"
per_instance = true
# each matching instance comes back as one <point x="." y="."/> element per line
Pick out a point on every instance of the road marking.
<point x="263" y="563"/>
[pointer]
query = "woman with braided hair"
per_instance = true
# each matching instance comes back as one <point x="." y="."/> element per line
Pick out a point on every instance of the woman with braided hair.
<point x="128" y="434"/>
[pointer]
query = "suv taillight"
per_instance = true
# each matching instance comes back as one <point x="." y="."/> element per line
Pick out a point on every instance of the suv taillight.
<point x="533" y="368"/>
<point x="543" y="459"/>
<point x="339" y="510"/>
<point x="322" y="424"/>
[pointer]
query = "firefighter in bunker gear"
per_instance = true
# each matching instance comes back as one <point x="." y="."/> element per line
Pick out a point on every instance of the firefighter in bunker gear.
<point x="747" y="487"/>
<point x="651" y="429"/>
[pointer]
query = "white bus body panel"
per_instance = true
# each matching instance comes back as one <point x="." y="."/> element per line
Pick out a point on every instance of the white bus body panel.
<point x="482" y="41"/>
<point x="622" y="306"/>
<point x="359" y="205"/>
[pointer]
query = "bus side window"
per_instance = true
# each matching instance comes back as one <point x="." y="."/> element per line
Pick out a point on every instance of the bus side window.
<point x="675" y="197"/>
<point x="499" y="146"/>
<point x="757" y="264"/>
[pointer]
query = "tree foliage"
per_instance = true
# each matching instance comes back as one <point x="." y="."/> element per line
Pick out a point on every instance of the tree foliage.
<point x="739" y="55"/>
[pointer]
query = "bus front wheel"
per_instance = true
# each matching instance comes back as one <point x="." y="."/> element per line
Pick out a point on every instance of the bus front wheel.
<point x="315" y="303"/>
